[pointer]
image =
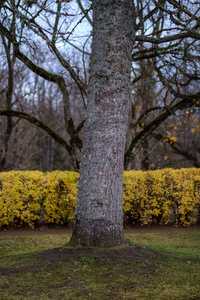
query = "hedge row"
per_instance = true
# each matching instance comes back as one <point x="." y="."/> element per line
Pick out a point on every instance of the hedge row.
<point x="161" y="196"/>
<point x="31" y="197"/>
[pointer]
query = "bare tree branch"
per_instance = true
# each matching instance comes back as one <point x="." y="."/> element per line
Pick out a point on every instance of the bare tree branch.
<point x="165" y="39"/>
<point x="39" y="124"/>
<point x="85" y="12"/>
<point x="177" y="148"/>
<point x="187" y="101"/>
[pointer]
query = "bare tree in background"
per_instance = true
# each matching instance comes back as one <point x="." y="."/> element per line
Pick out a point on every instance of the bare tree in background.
<point x="5" y="133"/>
<point x="166" y="34"/>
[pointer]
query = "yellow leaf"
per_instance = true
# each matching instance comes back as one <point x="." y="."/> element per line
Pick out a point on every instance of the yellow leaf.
<point x="193" y="130"/>
<point x="136" y="107"/>
<point x="165" y="157"/>
<point x="198" y="127"/>
<point x="173" y="139"/>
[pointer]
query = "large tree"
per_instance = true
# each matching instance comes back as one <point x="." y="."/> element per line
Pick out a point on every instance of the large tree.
<point x="99" y="214"/>
<point x="166" y="42"/>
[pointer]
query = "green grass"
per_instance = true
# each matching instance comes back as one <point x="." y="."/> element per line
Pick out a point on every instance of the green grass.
<point x="32" y="244"/>
<point x="170" y="272"/>
<point x="181" y="244"/>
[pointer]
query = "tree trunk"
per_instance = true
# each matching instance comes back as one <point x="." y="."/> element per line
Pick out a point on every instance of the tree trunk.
<point x="4" y="137"/>
<point x="145" y="155"/>
<point x="99" y="212"/>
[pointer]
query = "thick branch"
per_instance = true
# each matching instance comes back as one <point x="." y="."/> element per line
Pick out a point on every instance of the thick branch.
<point x="156" y="51"/>
<point x="165" y="39"/>
<point x="75" y="139"/>
<point x="50" y="77"/>
<point x="176" y="147"/>
<point x="177" y="5"/>
<point x="39" y="124"/>
<point x="187" y="101"/>
<point x="84" y="12"/>
<point x="55" y="29"/>
<point x="38" y="70"/>
<point x="2" y="3"/>
<point x="144" y="114"/>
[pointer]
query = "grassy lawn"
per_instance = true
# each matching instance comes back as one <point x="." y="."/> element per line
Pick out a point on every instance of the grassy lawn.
<point x="150" y="266"/>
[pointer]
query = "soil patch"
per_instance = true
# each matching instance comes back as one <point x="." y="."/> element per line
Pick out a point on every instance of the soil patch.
<point x="19" y="270"/>
<point x="122" y="253"/>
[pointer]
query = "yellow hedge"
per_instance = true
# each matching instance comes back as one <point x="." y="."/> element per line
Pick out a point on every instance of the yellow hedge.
<point x="161" y="196"/>
<point x="30" y="196"/>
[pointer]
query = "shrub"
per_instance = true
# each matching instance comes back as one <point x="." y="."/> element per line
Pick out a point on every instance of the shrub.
<point x="30" y="196"/>
<point x="161" y="196"/>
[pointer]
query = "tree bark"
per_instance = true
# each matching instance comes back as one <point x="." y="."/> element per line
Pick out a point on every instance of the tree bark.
<point x="99" y="212"/>
<point x="9" y="126"/>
